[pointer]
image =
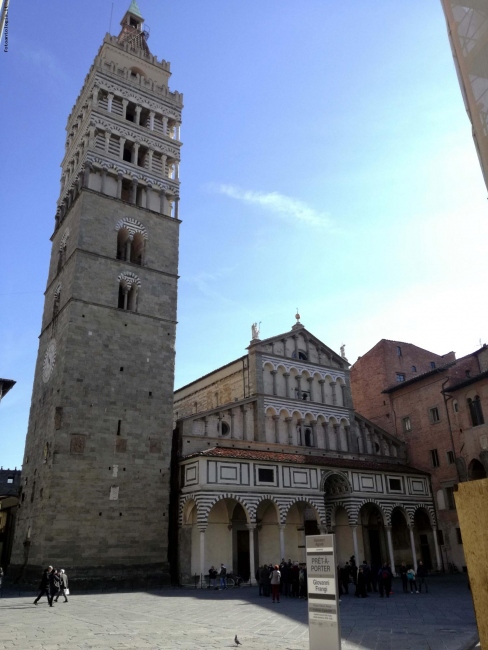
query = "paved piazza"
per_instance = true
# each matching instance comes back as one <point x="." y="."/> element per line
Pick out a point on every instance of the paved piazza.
<point x="192" y="619"/>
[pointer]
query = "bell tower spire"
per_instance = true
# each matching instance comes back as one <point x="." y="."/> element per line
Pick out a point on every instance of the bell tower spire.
<point x="133" y="30"/>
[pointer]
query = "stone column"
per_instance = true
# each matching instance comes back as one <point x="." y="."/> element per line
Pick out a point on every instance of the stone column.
<point x="86" y="175"/>
<point x="110" y="98"/>
<point x="355" y="543"/>
<point x="295" y="340"/>
<point x="104" y="176"/>
<point x="337" y="431"/>
<point x="437" y="551"/>
<point x="232" y="415"/>
<point x="163" y="165"/>
<point x="124" y="108"/>
<point x="284" y="347"/>
<point x="244" y="422"/>
<point x="96" y="90"/>
<point x="290" y="430"/>
<point x="390" y="549"/>
<point x="281" y="528"/>
<point x="299" y="386"/>
<point x="412" y="544"/>
<point x="301" y="440"/>
<point x="162" y="202"/>
<point x="334" y="394"/>
<point x="120" y="176"/>
<point x="202" y="555"/>
<point x="322" y="390"/>
<point x="138" y="115"/>
<point x="135" y="153"/>
<point x="314" y="432"/>
<point x="165" y="125"/>
<point x="251" y="528"/>
<point x="177" y="170"/>
<point x="273" y="374"/>
<point x="325" y="426"/>
<point x="178" y="131"/>
<point x="121" y="149"/>
<point x="310" y="388"/>
<point x="126" y="295"/>
<point x="286" y="375"/>
<point x="150" y="153"/>
<point x="133" y="194"/>
<point x="107" y="140"/>
<point x="347" y="429"/>
<point x="276" y="419"/>
<point x="151" y="120"/>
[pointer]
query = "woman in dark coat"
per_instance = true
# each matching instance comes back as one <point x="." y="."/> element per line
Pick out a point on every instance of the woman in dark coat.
<point x="361" y="584"/>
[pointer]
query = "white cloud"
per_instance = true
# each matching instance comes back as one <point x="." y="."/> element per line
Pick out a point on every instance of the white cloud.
<point x="285" y="207"/>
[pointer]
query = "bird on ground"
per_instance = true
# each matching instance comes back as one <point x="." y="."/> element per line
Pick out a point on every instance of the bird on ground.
<point x="236" y="640"/>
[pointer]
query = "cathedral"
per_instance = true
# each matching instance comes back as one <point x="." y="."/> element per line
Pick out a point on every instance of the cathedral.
<point x="271" y="450"/>
<point x="122" y="477"/>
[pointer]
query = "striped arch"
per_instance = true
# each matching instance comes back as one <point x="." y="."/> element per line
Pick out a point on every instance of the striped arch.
<point x="388" y="508"/>
<point x="330" y="510"/>
<point x="429" y="509"/>
<point x="374" y="502"/>
<point x="183" y="502"/>
<point x="132" y="226"/>
<point x="205" y="503"/>
<point x="279" y="507"/>
<point x="316" y="502"/>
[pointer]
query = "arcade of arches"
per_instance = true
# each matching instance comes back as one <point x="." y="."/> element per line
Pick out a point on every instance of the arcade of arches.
<point x="233" y="534"/>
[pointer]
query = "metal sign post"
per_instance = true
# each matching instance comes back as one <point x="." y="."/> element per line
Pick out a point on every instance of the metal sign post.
<point x="323" y="598"/>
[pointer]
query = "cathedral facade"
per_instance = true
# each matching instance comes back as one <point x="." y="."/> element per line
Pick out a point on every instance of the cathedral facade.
<point x="271" y="450"/>
<point x="96" y="471"/>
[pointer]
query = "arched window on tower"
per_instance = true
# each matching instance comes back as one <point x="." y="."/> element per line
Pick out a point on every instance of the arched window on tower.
<point x="308" y="437"/>
<point x="131" y="241"/>
<point x="129" y="285"/>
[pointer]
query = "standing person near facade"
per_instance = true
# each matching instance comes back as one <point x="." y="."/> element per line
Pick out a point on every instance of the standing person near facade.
<point x="212" y="577"/>
<point x="44" y="586"/>
<point x="422" y="574"/>
<point x="263" y="580"/>
<point x="285" y="579"/>
<point x="403" y="576"/>
<point x="384" y="579"/>
<point x="223" y="576"/>
<point x="367" y="576"/>
<point x="302" y="579"/>
<point x="411" y="580"/>
<point x="275" y="583"/>
<point x="354" y="569"/>
<point x="361" y="584"/>
<point x="295" y="574"/>
<point x="63" y="586"/>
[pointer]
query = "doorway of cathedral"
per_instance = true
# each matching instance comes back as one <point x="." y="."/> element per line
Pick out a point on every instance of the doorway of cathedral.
<point x="375" y="547"/>
<point x="424" y="536"/>
<point x="243" y="559"/>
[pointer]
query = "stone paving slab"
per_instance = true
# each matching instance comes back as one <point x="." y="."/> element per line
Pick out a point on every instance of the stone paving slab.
<point x="202" y="619"/>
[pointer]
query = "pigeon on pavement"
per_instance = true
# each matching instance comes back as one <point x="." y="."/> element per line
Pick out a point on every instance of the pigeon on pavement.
<point x="236" y="640"/>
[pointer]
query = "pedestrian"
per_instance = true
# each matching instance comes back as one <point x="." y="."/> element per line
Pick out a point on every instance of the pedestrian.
<point x="411" y="580"/>
<point x="63" y="586"/>
<point x="302" y="581"/>
<point x="275" y="583"/>
<point x="361" y="584"/>
<point x="212" y="577"/>
<point x="295" y="575"/>
<point x="403" y="576"/>
<point x="367" y="576"/>
<point x="44" y="586"/>
<point x="354" y="569"/>
<point x="223" y="576"/>
<point x="54" y="583"/>
<point x="285" y="579"/>
<point x="384" y="580"/>
<point x="422" y="574"/>
<point x="340" y="590"/>
<point x="346" y="577"/>
<point x="263" y="580"/>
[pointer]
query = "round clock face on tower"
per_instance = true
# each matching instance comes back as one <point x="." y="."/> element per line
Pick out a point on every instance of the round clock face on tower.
<point x="49" y="361"/>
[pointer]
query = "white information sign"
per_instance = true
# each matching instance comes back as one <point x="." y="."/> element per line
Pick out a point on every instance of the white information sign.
<point x="323" y="600"/>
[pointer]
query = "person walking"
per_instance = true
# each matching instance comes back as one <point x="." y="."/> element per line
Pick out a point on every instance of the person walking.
<point x="275" y="583"/>
<point x="54" y="584"/>
<point x="44" y="586"/>
<point x="223" y="576"/>
<point x="422" y="574"/>
<point x="63" y="586"/>
<point x="411" y="580"/>
<point x="403" y="576"/>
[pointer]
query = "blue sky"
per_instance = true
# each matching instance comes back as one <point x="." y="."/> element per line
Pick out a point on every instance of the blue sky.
<point x="327" y="165"/>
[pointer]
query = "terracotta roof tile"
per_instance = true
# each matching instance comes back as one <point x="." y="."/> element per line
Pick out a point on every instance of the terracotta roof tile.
<point x="302" y="459"/>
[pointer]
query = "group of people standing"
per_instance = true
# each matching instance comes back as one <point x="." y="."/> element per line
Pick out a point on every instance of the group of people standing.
<point x="288" y="579"/>
<point x="54" y="583"/>
<point x="368" y="578"/>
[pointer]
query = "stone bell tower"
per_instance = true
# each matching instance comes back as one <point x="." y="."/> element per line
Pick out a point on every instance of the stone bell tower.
<point x="96" y="468"/>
